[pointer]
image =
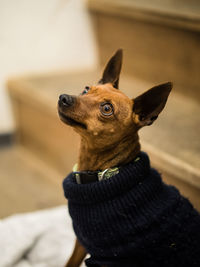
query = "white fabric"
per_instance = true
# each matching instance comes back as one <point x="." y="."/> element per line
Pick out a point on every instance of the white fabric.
<point x="37" y="239"/>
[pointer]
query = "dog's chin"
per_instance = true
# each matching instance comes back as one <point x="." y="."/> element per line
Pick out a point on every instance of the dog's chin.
<point x="70" y="121"/>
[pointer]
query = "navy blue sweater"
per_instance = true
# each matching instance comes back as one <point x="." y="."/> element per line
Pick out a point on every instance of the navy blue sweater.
<point x="134" y="220"/>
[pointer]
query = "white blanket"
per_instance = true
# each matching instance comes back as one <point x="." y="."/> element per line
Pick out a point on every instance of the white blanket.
<point x="37" y="239"/>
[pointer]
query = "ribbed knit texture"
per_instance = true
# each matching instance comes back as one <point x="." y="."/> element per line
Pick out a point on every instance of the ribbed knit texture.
<point x="134" y="220"/>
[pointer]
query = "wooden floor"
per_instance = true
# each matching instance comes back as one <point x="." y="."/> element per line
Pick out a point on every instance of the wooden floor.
<point x="26" y="183"/>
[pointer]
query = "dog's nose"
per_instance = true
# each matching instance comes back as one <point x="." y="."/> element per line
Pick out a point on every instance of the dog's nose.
<point x="66" y="100"/>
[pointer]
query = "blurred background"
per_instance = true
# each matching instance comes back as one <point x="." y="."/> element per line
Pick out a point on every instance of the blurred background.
<point x="60" y="46"/>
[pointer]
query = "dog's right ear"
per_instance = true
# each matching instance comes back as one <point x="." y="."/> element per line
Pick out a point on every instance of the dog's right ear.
<point x="148" y="106"/>
<point x="112" y="70"/>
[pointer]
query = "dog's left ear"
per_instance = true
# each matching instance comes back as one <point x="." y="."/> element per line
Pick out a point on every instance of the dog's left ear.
<point x="148" y="105"/>
<point x="112" y="70"/>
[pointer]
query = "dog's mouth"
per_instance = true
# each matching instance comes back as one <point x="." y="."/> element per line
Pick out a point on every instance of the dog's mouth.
<point x="70" y="121"/>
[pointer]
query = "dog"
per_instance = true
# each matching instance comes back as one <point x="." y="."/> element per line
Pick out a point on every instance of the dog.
<point x="122" y="212"/>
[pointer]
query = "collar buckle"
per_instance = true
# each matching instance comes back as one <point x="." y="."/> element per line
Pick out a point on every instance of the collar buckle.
<point x="107" y="173"/>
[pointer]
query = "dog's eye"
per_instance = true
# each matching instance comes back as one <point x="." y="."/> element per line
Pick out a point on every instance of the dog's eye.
<point x="87" y="88"/>
<point x="106" y="109"/>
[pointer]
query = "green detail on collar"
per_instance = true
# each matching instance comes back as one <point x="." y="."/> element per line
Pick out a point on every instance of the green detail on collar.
<point x="75" y="167"/>
<point x="138" y="158"/>
<point x="107" y="173"/>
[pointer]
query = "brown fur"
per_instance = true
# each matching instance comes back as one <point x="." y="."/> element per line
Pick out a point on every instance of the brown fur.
<point x="77" y="256"/>
<point x="117" y="133"/>
<point x="109" y="140"/>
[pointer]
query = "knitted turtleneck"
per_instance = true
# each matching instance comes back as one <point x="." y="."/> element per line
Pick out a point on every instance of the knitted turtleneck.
<point x="134" y="220"/>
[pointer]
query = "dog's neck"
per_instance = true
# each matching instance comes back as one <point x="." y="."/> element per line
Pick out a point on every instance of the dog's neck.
<point x="116" y="155"/>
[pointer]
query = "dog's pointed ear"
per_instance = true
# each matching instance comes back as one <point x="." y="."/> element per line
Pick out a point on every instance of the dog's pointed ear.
<point x="112" y="70"/>
<point x="148" y="105"/>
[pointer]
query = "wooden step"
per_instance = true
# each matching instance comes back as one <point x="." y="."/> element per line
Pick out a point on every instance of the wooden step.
<point x="172" y="142"/>
<point x="161" y="39"/>
<point x="27" y="183"/>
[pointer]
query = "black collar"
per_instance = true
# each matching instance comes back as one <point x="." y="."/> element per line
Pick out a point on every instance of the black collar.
<point x="86" y="177"/>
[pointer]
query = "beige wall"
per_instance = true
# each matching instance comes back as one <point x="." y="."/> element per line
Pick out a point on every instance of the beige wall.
<point x="37" y="36"/>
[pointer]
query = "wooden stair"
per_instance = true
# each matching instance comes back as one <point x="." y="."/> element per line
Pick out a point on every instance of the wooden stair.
<point x="27" y="183"/>
<point x="161" y="39"/>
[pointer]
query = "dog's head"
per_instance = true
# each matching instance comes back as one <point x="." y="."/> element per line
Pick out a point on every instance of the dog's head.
<point x="104" y="115"/>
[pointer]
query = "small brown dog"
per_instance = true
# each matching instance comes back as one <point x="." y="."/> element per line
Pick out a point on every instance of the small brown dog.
<point x="108" y="123"/>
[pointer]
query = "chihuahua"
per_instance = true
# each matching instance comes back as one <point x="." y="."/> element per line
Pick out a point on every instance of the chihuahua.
<point x="122" y="212"/>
